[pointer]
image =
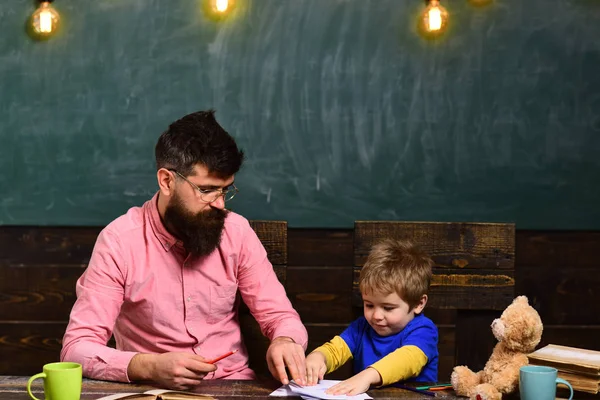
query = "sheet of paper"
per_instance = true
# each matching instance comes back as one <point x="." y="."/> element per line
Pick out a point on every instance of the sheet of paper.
<point x="283" y="391"/>
<point x="315" y="392"/>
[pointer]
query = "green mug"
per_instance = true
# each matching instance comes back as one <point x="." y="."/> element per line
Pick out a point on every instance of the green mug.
<point x="62" y="381"/>
<point x="539" y="383"/>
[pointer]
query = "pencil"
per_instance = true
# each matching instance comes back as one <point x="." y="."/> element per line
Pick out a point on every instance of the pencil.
<point x="440" y="388"/>
<point x="221" y="357"/>
<point x="413" y="389"/>
<point x="434" y="386"/>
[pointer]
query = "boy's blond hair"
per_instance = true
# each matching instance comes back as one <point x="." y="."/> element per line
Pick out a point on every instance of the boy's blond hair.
<point x="397" y="266"/>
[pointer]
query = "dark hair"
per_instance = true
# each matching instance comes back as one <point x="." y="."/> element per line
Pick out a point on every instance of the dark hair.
<point x="198" y="138"/>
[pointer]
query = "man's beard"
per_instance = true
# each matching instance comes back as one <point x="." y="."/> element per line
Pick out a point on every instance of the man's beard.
<point x="200" y="233"/>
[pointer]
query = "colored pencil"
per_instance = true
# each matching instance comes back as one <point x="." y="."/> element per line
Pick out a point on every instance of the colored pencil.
<point x="434" y="386"/>
<point x="221" y="357"/>
<point x="440" y="388"/>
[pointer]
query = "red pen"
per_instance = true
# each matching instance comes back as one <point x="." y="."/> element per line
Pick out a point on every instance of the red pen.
<point x="221" y="357"/>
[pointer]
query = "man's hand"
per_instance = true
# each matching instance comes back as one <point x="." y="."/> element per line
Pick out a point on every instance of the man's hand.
<point x="359" y="383"/>
<point x="315" y="367"/>
<point x="179" y="371"/>
<point x="284" y="352"/>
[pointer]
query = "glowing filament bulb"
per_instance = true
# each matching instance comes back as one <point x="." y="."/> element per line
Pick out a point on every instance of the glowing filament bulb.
<point x="45" y="19"/>
<point x="221" y="5"/>
<point x="435" y="17"/>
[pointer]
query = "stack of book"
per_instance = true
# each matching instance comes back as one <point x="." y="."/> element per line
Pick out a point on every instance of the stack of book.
<point x="580" y="367"/>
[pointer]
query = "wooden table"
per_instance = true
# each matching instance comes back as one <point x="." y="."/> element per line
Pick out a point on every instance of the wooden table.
<point x="14" y="388"/>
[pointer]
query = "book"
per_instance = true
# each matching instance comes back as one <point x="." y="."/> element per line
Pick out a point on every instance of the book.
<point x="568" y="359"/>
<point x="581" y="382"/>
<point x="580" y="367"/>
<point x="158" y="394"/>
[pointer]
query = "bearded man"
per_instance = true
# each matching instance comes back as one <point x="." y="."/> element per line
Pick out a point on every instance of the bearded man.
<point x="163" y="277"/>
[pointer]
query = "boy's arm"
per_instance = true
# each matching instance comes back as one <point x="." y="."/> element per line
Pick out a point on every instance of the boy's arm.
<point x="336" y="353"/>
<point x="401" y="364"/>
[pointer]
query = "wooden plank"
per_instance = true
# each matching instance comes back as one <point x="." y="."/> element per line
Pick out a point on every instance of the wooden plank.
<point x="558" y="249"/>
<point x="26" y="347"/>
<point x="440" y="316"/>
<point x="13" y="388"/>
<point x="558" y="272"/>
<point x="582" y="336"/>
<point x="562" y="295"/>
<point x="446" y="349"/>
<point x="450" y="244"/>
<point x="22" y="246"/>
<point x="474" y="338"/>
<point x="314" y="247"/>
<point x="273" y="236"/>
<point x="25" y="245"/>
<point x="460" y="289"/>
<point x="38" y="291"/>
<point x="474" y="262"/>
<point x="321" y="294"/>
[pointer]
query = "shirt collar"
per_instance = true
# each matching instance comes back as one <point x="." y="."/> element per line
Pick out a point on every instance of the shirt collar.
<point x="166" y="239"/>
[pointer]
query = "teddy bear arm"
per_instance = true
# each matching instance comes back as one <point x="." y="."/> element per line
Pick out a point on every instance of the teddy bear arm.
<point x="464" y="380"/>
<point x="507" y="380"/>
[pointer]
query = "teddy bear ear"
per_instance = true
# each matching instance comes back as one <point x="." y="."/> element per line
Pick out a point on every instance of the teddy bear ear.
<point x="521" y="299"/>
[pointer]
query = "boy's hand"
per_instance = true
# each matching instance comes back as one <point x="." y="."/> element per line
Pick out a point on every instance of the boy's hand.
<point x="315" y="368"/>
<point x="359" y="383"/>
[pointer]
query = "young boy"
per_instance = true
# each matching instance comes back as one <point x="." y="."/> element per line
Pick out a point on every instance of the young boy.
<point x="394" y="341"/>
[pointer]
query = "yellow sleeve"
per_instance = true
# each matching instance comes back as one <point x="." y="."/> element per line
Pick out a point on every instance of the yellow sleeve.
<point x="401" y="364"/>
<point x="336" y="353"/>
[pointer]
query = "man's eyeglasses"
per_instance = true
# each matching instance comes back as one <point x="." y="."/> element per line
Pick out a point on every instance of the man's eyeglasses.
<point x="211" y="195"/>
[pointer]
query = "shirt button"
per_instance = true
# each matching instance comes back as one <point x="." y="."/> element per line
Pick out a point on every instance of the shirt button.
<point x="189" y="298"/>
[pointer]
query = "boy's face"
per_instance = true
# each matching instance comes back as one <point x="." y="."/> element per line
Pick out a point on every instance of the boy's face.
<point x="388" y="314"/>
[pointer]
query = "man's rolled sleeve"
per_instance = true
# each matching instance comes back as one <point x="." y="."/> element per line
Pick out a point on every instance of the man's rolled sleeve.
<point x="99" y="299"/>
<point x="265" y="296"/>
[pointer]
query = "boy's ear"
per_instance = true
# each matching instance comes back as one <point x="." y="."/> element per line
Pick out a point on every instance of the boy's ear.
<point x="419" y="307"/>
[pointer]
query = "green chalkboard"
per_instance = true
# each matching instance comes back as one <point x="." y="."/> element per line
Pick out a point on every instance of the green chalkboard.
<point x="344" y="111"/>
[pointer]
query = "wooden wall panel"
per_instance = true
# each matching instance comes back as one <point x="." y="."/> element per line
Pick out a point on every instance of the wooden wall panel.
<point x="559" y="273"/>
<point x="38" y="291"/>
<point x="24" y="246"/>
<point x="321" y="294"/>
<point x="26" y="346"/>
<point x="474" y="262"/>
<point x="318" y="247"/>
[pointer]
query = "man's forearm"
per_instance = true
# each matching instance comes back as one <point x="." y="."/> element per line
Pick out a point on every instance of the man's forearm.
<point x="141" y="367"/>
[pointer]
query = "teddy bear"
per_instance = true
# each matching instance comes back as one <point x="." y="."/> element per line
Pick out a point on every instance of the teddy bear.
<point x="518" y="331"/>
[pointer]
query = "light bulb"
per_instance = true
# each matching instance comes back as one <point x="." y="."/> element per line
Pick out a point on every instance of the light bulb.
<point x="219" y="9"/>
<point x="45" y="19"/>
<point x="221" y="5"/>
<point x="435" y="18"/>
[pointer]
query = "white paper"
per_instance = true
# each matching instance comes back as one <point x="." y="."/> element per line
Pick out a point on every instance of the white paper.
<point x="283" y="391"/>
<point x="315" y="392"/>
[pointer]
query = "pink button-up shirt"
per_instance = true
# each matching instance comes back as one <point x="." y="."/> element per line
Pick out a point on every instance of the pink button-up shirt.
<point x="140" y="285"/>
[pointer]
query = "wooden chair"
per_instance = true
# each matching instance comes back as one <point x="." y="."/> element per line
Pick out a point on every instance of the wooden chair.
<point x="473" y="274"/>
